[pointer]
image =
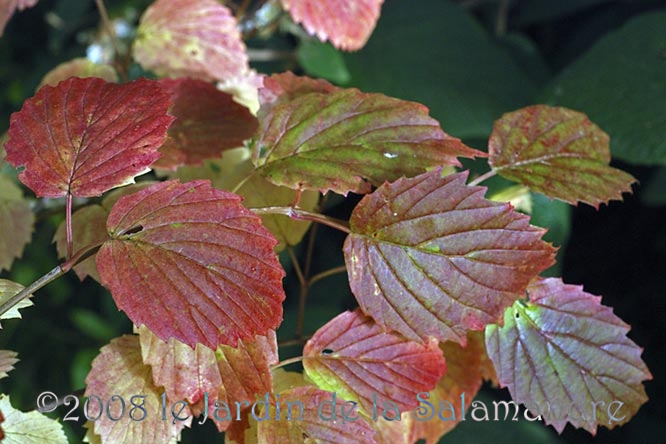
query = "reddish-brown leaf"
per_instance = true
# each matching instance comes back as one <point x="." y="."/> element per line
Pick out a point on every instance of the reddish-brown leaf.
<point x="429" y="256"/>
<point x="347" y="24"/>
<point x="8" y="7"/>
<point x="227" y="375"/>
<point x="456" y="389"/>
<point x="86" y="136"/>
<point x="190" y="38"/>
<point x="192" y="263"/>
<point x="557" y="152"/>
<point x="313" y="425"/>
<point x="567" y="358"/>
<point x="346" y="140"/>
<point x="17" y="222"/>
<point x="354" y="357"/>
<point x="118" y="376"/>
<point x="208" y="121"/>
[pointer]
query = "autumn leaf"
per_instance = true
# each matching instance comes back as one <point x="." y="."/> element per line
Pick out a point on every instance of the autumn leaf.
<point x="89" y="229"/>
<point x="7" y="290"/>
<point x="190" y="38"/>
<point x="9" y="7"/>
<point x="208" y="122"/>
<point x="28" y="427"/>
<point x="86" y="136"/>
<point x="16" y="222"/>
<point x="286" y="86"/>
<point x="346" y="140"/>
<point x="354" y="357"/>
<point x="557" y="152"/>
<point x="78" y="67"/>
<point x="567" y="357"/>
<point x="190" y="262"/>
<point x="227" y="375"/>
<point x="314" y="422"/>
<point x="457" y="388"/>
<point x="7" y="360"/>
<point x="429" y="256"/>
<point x="347" y="24"/>
<point x="236" y="172"/>
<point x="118" y="378"/>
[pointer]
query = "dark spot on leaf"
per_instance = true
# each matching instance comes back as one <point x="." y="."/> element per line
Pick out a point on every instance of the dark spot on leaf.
<point x="327" y="351"/>
<point x="134" y="230"/>
<point x="517" y="315"/>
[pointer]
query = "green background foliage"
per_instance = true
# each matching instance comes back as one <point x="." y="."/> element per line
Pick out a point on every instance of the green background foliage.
<point x="469" y="62"/>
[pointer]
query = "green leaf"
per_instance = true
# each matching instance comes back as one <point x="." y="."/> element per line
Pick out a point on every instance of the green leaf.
<point x="322" y="60"/>
<point x="28" y="428"/>
<point x="621" y="84"/>
<point x="355" y="358"/>
<point x="562" y="351"/>
<point x="430" y="256"/>
<point x="346" y="140"/>
<point x="439" y="55"/>
<point x="557" y="152"/>
<point x="16" y="222"/>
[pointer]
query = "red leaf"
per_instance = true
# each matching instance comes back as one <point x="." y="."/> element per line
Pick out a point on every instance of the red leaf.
<point x="354" y="357"/>
<point x="313" y="425"/>
<point x="346" y="140"/>
<point x="208" y="121"/>
<point x="429" y="256"/>
<point x="86" y="136"/>
<point x="89" y="229"/>
<point x="557" y="152"/>
<point x="562" y="352"/>
<point x="227" y="375"/>
<point x="118" y="376"/>
<point x="8" y="7"/>
<point x="346" y="23"/>
<point x="191" y="262"/>
<point x="190" y="38"/>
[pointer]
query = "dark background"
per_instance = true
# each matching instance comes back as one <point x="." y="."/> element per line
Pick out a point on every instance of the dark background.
<point x="469" y="61"/>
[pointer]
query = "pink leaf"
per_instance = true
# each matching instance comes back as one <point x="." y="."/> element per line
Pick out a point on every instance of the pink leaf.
<point x="227" y="375"/>
<point x="346" y="23"/>
<point x="567" y="358"/>
<point x="118" y="376"/>
<point x="79" y="67"/>
<point x="557" y="152"/>
<point x="190" y="38"/>
<point x="208" y="121"/>
<point x="192" y="263"/>
<point x="86" y="136"/>
<point x="354" y="357"/>
<point x="429" y="256"/>
<point x="286" y="86"/>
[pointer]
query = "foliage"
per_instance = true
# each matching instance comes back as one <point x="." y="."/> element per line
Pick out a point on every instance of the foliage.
<point x="237" y="170"/>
